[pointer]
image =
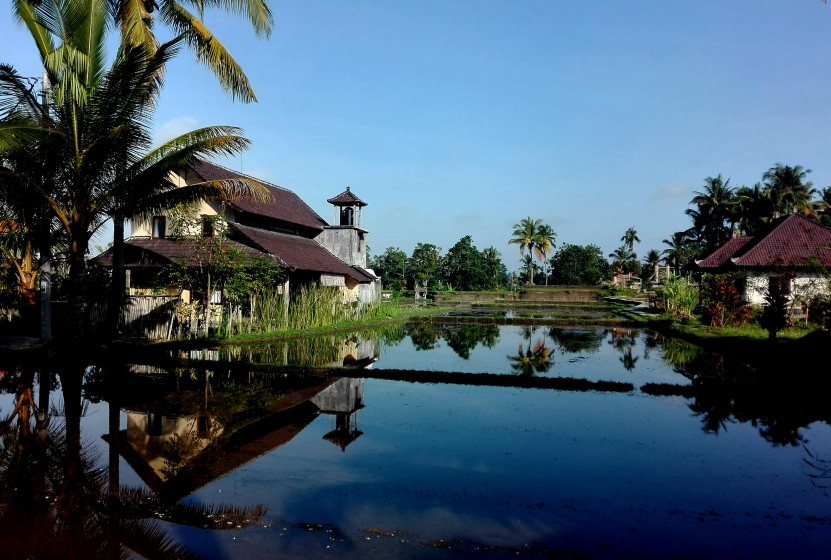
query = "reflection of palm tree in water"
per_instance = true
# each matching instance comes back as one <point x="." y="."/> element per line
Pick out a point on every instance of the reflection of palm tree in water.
<point x="58" y="503"/>
<point x="536" y="358"/>
<point x="623" y="340"/>
<point x="24" y="406"/>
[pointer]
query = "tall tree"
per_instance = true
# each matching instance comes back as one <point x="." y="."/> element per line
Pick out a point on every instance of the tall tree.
<point x="94" y="134"/>
<point x="714" y="213"/>
<point x="464" y="266"/>
<point x="578" y="265"/>
<point x="680" y="251"/>
<point x="535" y="237"/>
<point x="391" y="266"/>
<point x="424" y="264"/>
<point x="623" y="258"/>
<point x="755" y="208"/>
<point x="789" y="190"/>
<point x="630" y="237"/>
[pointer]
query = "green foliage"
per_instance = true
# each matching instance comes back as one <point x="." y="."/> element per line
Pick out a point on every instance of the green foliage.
<point x="678" y="297"/>
<point x="582" y="265"/>
<point x="391" y="267"/>
<point x="424" y="264"/>
<point x="535" y="237"/>
<point x="467" y="269"/>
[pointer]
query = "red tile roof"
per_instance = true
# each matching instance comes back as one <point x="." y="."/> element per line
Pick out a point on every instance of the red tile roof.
<point x="793" y="241"/>
<point x="284" y="205"/>
<point x="721" y="256"/>
<point x="301" y="253"/>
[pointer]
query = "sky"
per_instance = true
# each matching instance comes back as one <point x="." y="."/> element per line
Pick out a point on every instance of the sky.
<point x="462" y="117"/>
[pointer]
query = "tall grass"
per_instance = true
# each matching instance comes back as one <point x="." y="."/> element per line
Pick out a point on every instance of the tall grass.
<point x="309" y="307"/>
<point x="679" y="297"/>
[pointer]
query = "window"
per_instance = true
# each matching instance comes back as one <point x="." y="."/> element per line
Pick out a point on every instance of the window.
<point x="159" y="226"/>
<point x="207" y="226"/>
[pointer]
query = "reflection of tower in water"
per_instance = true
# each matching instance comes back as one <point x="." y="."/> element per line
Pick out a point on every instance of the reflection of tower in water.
<point x="341" y="401"/>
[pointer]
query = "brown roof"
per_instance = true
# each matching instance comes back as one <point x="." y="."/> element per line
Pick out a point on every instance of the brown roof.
<point x="792" y="241"/>
<point x="346" y="198"/>
<point x="300" y="253"/>
<point x="149" y="251"/>
<point x="284" y="205"/>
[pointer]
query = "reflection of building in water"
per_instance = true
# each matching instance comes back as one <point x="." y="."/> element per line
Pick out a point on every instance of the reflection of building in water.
<point x="342" y="400"/>
<point x="176" y="454"/>
<point x="154" y="437"/>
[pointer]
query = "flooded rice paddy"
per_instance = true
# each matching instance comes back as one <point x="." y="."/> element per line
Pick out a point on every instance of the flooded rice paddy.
<point x="234" y="452"/>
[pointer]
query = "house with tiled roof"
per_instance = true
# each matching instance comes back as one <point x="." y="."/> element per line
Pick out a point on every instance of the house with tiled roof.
<point x="793" y="245"/>
<point x="282" y="228"/>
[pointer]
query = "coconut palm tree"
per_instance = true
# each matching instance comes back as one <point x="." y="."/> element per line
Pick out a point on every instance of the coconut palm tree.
<point x="714" y="213"/>
<point x="535" y="237"/>
<point x="755" y="208"/>
<point x="789" y="190"/>
<point x="630" y="237"/>
<point x="136" y="20"/>
<point x="653" y="260"/>
<point x="680" y="251"/>
<point x="622" y="258"/>
<point x="824" y="206"/>
<point x="545" y="243"/>
<point x="93" y="136"/>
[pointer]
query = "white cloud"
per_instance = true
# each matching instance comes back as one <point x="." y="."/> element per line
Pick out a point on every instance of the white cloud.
<point x="671" y="192"/>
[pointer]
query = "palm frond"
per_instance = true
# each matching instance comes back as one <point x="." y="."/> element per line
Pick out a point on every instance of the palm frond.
<point x="209" y="51"/>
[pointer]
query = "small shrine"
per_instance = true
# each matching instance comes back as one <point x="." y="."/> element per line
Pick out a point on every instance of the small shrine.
<point x="347" y="209"/>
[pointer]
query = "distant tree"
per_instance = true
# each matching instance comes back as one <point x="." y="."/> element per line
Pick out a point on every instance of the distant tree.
<point x="578" y="265"/>
<point x="495" y="271"/>
<point x="391" y="266"/>
<point x="464" y="266"/>
<point x="630" y="237"/>
<point x="424" y="264"/>
<point x="680" y="252"/>
<point x="652" y="260"/>
<point x="535" y="237"/>
<point x="623" y="258"/>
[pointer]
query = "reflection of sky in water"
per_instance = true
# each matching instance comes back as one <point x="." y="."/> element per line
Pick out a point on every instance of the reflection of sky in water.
<point x="596" y="354"/>
<point x="508" y="467"/>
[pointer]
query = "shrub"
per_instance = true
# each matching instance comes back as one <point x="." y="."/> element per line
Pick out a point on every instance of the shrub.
<point x="678" y="297"/>
<point x="722" y="302"/>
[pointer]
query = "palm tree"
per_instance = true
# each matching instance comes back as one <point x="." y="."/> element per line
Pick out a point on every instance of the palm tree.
<point x="136" y="19"/>
<point x="755" y="208"/>
<point x="714" y="213"/>
<point x="680" y="250"/>
<point x="653" y="261"/>
<point x="622" y="257"/>
<point x="789" y="190"/>
<point x="535" y="237"/>
<point x="630" y="238"/>
<point x="545" y="243"/>
<point x="824" y="206"/>
<point x="94" y="138"/>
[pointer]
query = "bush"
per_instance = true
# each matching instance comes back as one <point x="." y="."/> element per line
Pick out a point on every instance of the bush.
<point x="722" y="302"/>
<point x="678" y="297"/>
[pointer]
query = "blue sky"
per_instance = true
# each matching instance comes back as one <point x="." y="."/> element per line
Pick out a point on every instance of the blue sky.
<point x="454" y="118"/>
